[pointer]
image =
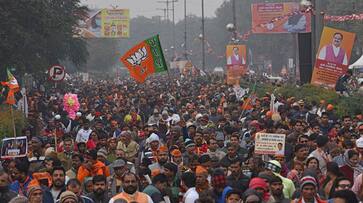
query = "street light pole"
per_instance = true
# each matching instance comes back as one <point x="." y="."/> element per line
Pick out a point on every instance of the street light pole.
<point x="185" y="30"/>
<point x="234" y="19"/>
<point x="173" y="1"/>
<point x="202" y="38"/>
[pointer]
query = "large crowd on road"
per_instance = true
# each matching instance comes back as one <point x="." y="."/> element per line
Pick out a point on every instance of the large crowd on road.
<point x="189" y="139"/>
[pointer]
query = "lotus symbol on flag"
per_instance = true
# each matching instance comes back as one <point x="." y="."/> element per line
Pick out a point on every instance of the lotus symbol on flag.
<point x="138" y="57"/>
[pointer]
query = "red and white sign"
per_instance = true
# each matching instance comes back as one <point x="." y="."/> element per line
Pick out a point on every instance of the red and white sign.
<point x="56" y="73"/>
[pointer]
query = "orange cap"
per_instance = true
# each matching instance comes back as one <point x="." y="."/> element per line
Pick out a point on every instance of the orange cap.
<point x="163" y="148"/>
<point x="330" y="107"/>
<point x="155" y="172"/>
<point x="269" y="114"/>
<point x="176" y="152"/>
<point x="201" y="170"/>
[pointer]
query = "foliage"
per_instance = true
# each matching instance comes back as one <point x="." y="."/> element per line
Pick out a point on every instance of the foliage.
<point x="6" y="123"/>
<point x="36" y="34"/>
<point x="352" y="105"/>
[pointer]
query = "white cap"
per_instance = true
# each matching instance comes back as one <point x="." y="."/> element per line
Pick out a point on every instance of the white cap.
<point x="359" y="143"/>
<point x="78" y="114"/>
<point x="57" y="117"/>
<point x="198" y="116"/>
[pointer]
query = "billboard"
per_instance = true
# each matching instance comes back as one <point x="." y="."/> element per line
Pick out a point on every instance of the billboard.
<point x="332" y="57"/>
<point x="107" y="23"/>
<point x="279" y="18"/>
<point x="236" y="63"/>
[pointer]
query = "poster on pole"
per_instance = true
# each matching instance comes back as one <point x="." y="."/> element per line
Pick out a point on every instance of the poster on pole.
<point x="333" y="56"/>
<point x="106" y="23"/>
<point x="14" y="147"/>
<point x="270" y="143"/>
<point x="236" y="63"/>
<point x="279" y="18"/>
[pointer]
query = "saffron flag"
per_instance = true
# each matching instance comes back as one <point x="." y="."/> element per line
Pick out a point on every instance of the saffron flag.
<point x="13" y="85"/>
<point x="144" y="59"/>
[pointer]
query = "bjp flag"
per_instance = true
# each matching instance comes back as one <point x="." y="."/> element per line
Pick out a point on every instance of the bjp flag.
<point x="13" y="85"/>
<point x="144" y="59"/>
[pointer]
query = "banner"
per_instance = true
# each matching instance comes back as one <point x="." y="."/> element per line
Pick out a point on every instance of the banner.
<point x="14" y="147"/>
<point x="333" y="56"/>
<point x="270" y="143"/>
<point x="107" y="23"/>
<point x="279" y="18"/>
<point x="236" y="63"/>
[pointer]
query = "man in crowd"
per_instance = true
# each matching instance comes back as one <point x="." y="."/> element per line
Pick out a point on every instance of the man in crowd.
<point x="100" y="194"/>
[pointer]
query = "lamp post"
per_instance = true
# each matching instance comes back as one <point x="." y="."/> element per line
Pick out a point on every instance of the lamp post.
<point x="202" y="36"/>
<point x="234" y="19"/>
<point x="185" y="30"/>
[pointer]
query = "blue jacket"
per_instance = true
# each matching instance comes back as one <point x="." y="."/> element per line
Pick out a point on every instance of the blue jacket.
<point x="20" y="188"/>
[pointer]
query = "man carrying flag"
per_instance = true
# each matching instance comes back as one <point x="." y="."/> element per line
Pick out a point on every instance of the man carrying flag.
<point x="145" y="59"/>
<point x="13" y="85"/>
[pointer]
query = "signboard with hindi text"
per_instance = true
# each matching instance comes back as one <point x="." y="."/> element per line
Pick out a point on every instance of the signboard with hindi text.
<point x="106" y="23"/>
<point x="14" y="147"/>
<point x="333" y="56"/>
<point x="270" y="143"/>
<point x="279" y="18"/>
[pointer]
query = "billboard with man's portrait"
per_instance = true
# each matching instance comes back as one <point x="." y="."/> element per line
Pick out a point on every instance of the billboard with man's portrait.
<point x="279" y="18"/>
<point x="14" y="147"/>
<point x="236" y="62"/>
<point x="333" y="56"/>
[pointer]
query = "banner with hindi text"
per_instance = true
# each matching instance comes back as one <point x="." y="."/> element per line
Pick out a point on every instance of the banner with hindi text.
<point x="279" y="18"/>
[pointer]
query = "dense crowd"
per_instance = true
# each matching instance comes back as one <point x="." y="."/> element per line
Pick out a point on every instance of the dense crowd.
<point x="188" y="139"/>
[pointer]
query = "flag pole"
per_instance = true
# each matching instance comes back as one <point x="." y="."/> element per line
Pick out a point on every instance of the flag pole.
<point x="12" y="118"/>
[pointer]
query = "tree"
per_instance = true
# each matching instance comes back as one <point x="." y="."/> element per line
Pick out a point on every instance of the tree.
<point x="36" y="34"/>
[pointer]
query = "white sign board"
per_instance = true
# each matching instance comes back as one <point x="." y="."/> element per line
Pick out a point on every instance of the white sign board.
<point x="270" y="143"/>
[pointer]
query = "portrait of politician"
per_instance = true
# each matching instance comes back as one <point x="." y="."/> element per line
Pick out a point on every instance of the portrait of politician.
<point x="235" y="58"/>
<point x="333" y="52"/>
<point x="296" y="22"/>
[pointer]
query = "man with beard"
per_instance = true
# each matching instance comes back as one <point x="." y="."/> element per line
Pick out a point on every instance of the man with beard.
<point x="237" y="179"/>
<point x="92" y="167"/>
<point x="58" y="180"/>
<point x="156" y="190"/>
<point x="100" y="194"/>
<point x="130" y="193"/>
<point x="162" y="158"/>
<point x="276" y="188"/>
<point x="5" y="194"/>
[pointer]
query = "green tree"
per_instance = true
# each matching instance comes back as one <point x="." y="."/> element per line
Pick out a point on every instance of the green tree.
<point x="36" y="34"/>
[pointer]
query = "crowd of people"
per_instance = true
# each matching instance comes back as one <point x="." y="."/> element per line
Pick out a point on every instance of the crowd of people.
<point x="187" y="139"/>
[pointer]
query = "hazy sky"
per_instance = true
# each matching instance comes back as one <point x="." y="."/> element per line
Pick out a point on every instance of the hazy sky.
<point x="150" y="8"/>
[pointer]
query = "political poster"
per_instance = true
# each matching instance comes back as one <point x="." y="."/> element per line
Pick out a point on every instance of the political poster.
<point x="115" y="23"/>
<point x="106" y="23"/>
<point x="270" y="143"/>
<point x="279" y="18"/>
<point x="236" y="63"/>
<point x="14" y="147"/>
<point x="333" y="56"/>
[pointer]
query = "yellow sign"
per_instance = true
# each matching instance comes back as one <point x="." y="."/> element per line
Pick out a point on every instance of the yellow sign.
<point x="115" y="23"/>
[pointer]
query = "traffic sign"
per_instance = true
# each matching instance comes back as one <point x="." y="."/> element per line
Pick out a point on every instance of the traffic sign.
<point x="56" y="73"/>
